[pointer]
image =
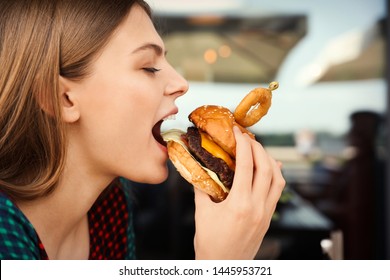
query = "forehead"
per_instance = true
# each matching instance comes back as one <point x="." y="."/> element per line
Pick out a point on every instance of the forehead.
<point x="138" y="28"/>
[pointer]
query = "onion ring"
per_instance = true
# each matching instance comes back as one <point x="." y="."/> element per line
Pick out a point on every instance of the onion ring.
<point x="254" y="105"/>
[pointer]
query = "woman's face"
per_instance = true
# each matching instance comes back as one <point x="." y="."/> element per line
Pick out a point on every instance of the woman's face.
<point x="122" y="104"/>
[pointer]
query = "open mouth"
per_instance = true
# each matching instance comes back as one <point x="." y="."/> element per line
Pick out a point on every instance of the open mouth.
<point x="157" y="133"/>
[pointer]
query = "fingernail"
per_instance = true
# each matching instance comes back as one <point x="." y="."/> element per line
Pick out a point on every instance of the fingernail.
<point x="236" y="129"/>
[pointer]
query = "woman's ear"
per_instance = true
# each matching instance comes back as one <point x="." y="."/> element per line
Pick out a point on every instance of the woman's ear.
<point x="69" y="102"/>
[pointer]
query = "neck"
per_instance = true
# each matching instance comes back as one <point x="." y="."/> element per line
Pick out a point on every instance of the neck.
<point x="60" y="219"/>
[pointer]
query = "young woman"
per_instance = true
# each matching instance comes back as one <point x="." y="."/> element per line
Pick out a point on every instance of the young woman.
<point x="84" y="88"/>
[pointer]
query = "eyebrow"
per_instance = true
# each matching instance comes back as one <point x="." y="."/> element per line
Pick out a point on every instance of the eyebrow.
<point x="151" y="46"/>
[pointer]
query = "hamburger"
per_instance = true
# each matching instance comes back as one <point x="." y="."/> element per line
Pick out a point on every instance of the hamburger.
<point x="205" y="154"/>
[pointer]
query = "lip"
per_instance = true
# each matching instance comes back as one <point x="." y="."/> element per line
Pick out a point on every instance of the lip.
<point x="174" y="111"/>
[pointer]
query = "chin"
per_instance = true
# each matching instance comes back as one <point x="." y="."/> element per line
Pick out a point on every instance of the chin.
<point x="154" y="176"/>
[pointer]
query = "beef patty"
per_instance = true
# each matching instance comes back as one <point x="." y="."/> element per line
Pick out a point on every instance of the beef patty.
<point x="217" y="165"/>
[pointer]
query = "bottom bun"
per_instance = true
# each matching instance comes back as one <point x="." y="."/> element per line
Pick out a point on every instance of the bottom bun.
<point x="192" y="171"/>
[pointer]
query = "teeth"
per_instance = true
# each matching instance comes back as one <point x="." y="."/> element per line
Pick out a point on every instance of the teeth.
<point x="170" y="117"/>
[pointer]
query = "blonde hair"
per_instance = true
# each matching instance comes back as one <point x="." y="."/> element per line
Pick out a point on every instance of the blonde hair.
<point x="41" y="40"/>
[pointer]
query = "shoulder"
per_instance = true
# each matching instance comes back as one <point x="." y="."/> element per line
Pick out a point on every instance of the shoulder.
<point x="120" y="191"/>
<point x="111" y="222"/>
<point x="126" y="187"/>
<point x="116" y="195"/>
<point x="18" y="239"/>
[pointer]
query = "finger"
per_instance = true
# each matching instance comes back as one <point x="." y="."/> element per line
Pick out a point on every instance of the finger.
<point x="263" y="171"/>
<point x="242" y="182"/>
<point x="277" y="185"/>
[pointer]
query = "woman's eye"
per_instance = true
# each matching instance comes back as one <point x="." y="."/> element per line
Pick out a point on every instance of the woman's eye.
<point x="151" y="69"/>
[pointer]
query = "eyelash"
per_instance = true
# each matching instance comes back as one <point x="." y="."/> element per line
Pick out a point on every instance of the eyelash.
<point x="151" y="69"/>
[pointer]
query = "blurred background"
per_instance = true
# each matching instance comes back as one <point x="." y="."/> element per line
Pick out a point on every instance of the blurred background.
<point x="327" y="123"/>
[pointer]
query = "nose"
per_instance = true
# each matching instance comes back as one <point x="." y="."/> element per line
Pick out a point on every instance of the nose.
<point x="177" y="84"/>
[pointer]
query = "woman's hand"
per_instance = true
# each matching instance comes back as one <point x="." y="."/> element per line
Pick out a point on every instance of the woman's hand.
<point x="235" y="227"/>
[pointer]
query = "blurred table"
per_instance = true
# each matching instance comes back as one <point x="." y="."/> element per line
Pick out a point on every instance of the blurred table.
<point x="299" y="228"/>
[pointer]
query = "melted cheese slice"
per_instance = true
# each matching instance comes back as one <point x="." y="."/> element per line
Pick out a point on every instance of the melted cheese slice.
<point x="175" y="135"/>
<point x="209" y="145"/>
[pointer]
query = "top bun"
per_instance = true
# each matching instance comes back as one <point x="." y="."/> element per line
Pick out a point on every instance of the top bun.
<point x="218" y="122"/>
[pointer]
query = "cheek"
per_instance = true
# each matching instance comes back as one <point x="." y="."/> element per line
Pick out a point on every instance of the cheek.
<point x="120" y="123"/>
<point x="117" y="126"/>
<point x="115" y="101"/>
